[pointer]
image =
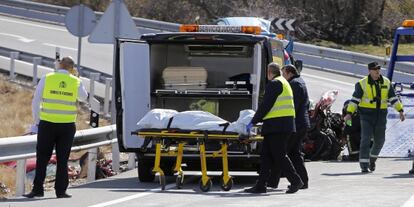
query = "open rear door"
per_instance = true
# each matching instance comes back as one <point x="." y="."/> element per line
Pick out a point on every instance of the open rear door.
<point x="132" y="91"/>
<point x="255" y="77"/>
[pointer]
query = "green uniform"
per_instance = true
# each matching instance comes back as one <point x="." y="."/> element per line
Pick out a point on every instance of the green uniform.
<point x="371" y="98"/>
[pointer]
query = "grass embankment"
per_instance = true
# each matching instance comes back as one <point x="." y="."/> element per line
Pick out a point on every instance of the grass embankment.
<point x="16" y="109"/>
<point x="16" y="119"/>
<point x="403" y="49"/>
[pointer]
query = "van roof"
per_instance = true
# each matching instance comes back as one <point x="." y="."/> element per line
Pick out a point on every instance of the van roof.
<point x="176" y="37"/>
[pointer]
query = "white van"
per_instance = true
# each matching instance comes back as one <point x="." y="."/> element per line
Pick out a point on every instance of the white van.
<point x="232" y="65"/>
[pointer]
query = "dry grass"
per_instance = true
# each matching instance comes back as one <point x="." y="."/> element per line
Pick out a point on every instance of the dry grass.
<point x="15" y="110"/>
<point x="16" y="116"/>
<point x="7" y="177"/>
<point x="403" y="48"/>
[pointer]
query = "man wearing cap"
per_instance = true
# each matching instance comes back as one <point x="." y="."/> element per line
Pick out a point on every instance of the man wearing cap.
<point x="371" y="97"/>
<point x="54" y="112"/>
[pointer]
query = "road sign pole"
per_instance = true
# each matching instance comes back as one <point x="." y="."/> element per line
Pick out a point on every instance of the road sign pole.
<point x="80" y="21"/>
<point x="80" y="28"/>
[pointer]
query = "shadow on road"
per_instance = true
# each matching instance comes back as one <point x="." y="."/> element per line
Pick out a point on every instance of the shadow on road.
<point x="344" y="174"/>
<point x="400" y="175"/>
<point x="24" y="199"/>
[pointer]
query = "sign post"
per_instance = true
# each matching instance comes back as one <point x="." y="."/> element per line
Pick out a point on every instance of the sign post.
<point x="287" y="25"/>
<point x="80" y="21"/>
<point x="115" y="23"/>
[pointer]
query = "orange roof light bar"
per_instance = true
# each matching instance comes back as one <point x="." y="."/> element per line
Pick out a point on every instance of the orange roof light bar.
<point x="280" y="36"/>
<point x="220" y="28"/>
<point x="189" y="28"/>
<point x="251" y="29"/>
<point x="408" y="23"/>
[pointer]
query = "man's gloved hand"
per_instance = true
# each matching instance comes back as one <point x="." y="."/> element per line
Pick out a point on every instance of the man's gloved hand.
<point x="33" y="129"/>
<point x="249" y="127"/>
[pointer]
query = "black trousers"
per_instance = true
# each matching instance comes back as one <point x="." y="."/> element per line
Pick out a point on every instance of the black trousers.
<point x="294" y="152"/>
<point x="274" y="156"/>
<point x="53" y="135"/>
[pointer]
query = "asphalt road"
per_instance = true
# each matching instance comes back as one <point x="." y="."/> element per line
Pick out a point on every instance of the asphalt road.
<point x="331" y="184"/>
<point x="40" y="38"/>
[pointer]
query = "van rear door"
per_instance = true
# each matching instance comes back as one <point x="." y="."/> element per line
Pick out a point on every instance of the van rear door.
<point x="132" y="90"/>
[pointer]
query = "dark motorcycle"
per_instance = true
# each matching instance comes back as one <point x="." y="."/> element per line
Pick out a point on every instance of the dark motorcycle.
<point x="324" y="137"/>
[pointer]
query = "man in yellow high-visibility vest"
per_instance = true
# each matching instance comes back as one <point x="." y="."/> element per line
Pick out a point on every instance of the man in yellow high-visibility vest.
<point x="277" y="112"/>
<point x="54" y="112"/>
<point x="371" y="98"/>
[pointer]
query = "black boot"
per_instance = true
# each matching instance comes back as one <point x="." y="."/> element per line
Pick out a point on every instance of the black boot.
<point x="294" y="188"/>
<point x="372" y="164"/>
<point x="63" y="195"/>
<point x="33" y="194"/>
<point x="364" y="167"/>
<point x="273" y="185"/>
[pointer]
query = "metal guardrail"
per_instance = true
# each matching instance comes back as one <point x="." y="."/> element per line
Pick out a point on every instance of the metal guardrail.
<point x="49" y="62"/>
<point x="347" y="62"/>
<point x="24" y="147"/>
<point x="56" y="14"/>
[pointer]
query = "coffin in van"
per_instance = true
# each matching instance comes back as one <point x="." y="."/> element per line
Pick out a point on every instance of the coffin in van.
<point x="184" y="78"/>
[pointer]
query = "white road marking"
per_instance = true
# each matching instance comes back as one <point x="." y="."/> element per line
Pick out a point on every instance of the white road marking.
<point x="20" y="38"/>
<point x="62" y="47"/>
<point x="33" y="25"/>
<point x="328" y="79"/>
<point x="409" y="203"/>
<point x="139" y="195"/>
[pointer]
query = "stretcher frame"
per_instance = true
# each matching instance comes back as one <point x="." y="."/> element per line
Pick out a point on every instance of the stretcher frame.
<point x="182" y="136"/>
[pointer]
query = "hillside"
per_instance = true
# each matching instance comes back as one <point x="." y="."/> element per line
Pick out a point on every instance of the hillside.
<point x="340" y="21"/>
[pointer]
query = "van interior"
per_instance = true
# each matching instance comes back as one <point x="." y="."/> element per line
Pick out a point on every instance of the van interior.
<point x="227" y="81"/>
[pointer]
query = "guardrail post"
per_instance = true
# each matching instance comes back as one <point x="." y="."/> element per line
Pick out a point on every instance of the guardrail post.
<point x="107" y="94"/>
<point x="92" y="153"/>
<point x="20" y="177"/>
<point x="57" y="57"/>
<point x="131" y="161"/>
<point x="13" y="57"/>
<point x="115" y="157"/>
<point x="92" y="78"/>
<point x="95" y="108"/>
<point x="36" y="62"/>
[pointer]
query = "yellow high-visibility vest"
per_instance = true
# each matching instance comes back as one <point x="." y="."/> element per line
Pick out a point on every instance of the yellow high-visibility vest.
<point x="367" y="100"/>
<point x="283" y="105"/>
<point x="59" y="97"/>
<point x="369" y="92"/>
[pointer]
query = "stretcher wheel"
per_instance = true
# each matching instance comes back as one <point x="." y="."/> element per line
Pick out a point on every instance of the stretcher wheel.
<point x="162" y="182"/>
<point x="207" y="187"/>
<point x="226" y="186"/>
<point x="179" y="181"/>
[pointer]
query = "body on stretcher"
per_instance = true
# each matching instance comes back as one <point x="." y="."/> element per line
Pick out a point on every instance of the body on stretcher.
<point x="177" y="139"/>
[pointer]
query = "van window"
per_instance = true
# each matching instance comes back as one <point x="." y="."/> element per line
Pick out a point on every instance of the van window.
<point x="277" y="51"/>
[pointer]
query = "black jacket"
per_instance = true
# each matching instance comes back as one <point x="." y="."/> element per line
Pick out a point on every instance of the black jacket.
<point x="275" y="125"/>
<point x="301" y="100"/>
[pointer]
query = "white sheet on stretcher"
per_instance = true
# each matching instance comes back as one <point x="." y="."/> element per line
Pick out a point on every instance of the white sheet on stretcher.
<point x="194" y="120"/>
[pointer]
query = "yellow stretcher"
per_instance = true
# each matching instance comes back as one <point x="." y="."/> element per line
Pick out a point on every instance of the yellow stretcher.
<point x="183" y="136"/>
